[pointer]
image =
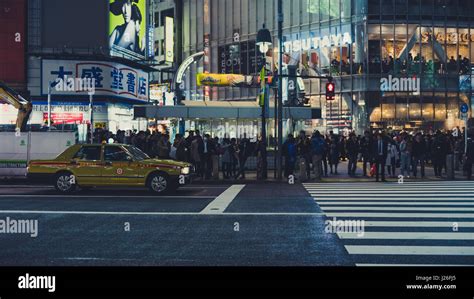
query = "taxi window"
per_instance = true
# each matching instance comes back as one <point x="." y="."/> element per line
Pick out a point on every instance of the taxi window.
<point x="115" y="153"/>
<point x="88" y="153"/>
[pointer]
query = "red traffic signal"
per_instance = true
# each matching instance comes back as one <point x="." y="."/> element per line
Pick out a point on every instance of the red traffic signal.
<point x="330" y="91"/>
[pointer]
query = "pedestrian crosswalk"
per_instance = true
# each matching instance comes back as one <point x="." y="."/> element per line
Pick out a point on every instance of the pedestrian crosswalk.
<point x="411" y="224"/>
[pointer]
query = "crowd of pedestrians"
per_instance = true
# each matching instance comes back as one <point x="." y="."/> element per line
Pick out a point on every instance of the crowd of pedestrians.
<point x="379" y="154"/>
<point x="208" y="155"/>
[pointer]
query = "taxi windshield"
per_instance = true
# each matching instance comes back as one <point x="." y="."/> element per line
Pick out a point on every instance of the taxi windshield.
<point x="137" y="153"/>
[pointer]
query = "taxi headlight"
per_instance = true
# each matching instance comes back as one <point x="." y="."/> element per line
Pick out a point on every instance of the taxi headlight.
<point x="185" y="170"/>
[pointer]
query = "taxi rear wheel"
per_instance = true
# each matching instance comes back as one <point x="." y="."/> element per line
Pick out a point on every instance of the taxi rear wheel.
<point x="159" y="183"/>
<point x="64" y="182"/>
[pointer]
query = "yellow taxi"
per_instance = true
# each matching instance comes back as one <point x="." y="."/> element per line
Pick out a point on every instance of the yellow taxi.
<point x="109" y="165"/>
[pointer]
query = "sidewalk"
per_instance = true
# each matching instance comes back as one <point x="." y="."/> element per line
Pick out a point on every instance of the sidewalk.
<point x="251" y="178"/>
<point x="342" y="177"/>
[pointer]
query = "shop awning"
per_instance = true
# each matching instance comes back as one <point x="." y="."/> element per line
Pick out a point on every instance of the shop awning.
<point x="218" y="110"/>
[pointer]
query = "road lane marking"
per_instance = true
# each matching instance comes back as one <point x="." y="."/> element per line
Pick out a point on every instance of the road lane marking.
<point x="401" y="215"/>
<point x="388" y="185"/>
<point x="388" y="198"/>
<point x="394" y="191"/>
<point x="411" y="265"/>
<point x="355" y="196"/>
<point x="435" y="207"/>
<point x="204" y="186"/>
<point x="409" y="250"/>
<point x="153" y="213"/>
<point x="368" y="183"/>
<point x="218" y="205"/>
<point x="349" y="192"/>
<point x="406" y="236"/>
<point x="32" y="196"/>
<point x="26" y="186"/>
<point x="449" y="224"/>
<point x="105" y="188"/>
<point x="396" y="203"/>
<point x="447" y="209"/>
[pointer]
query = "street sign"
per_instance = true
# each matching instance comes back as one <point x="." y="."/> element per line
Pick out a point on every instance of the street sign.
<point x="464" y="116"/>
<point x="464" y="108"/>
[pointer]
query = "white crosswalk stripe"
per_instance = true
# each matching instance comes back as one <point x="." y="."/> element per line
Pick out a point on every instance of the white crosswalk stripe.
<point x="415" y="223"/>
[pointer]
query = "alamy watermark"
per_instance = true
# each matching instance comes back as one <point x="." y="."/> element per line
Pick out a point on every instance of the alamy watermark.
<point x="19" y="226"/>
<point x="335" y="226"/>
<point x="75" y="84"/>
<point x="227" y="131"/>
<point x="33" y="282"/>
<point x="391" y="84"/>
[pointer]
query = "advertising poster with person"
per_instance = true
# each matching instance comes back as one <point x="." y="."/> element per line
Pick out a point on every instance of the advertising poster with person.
<point x="127" y="28"/>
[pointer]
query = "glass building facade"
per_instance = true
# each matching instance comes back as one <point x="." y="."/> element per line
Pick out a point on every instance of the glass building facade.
<point x="374" y="49"/>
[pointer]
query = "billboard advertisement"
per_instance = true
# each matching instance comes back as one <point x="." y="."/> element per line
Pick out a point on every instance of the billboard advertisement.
<point x="64" y="118"/>
<point x="128" y="28"/>
<point x="232" y="80"/>
<point x="12" y="37"/>
<point x="110" y="78"/>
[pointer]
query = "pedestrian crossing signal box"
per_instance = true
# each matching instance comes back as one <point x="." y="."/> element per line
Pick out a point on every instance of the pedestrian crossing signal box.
<point x="330" y="91"/>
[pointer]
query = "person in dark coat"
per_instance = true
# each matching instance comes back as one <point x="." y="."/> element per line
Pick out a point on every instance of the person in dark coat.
<point x="379" y="153"/>
<point x="334" y="154"/>
<point x="439" y="152"/>
<point x="304" y="151"/>
<point x="244" y="152"/>
<point x="181" y="150"/>
<point x="289" y="153"/>
<point x="352" y="150"/>
<point x="261" y="154"/>
<point x="209" y="149"/>
<point x="365" y="150"/>
<point x="419" y="150"/>
<point x="469" y="158"/>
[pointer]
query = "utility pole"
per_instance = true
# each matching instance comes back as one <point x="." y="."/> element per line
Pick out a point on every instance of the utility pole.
<point x="91" y="94"/>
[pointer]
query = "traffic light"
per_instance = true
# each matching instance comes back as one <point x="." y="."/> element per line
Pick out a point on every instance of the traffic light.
<point x="330" y="91"/>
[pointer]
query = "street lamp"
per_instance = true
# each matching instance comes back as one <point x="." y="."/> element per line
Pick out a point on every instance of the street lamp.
<point x="264" y="41"/>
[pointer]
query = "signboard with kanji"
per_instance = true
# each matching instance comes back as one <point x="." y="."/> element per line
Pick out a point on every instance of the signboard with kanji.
<point x="112" y="79"/>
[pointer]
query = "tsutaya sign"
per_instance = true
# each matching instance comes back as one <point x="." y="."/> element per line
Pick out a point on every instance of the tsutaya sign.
<point x="318" y="42"/>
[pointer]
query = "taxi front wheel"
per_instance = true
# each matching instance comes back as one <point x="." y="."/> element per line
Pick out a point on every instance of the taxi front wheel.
<point x="64" y="182"/>
<point x="159" y="183"/>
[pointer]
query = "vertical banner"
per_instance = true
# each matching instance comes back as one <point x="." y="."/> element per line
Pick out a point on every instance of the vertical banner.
<point x="207" y="46"/>
<point x="262" y="87"/>
<point x="169" y="39"/>
<point x="151" y="42"/>
<point x="207" y="67"/>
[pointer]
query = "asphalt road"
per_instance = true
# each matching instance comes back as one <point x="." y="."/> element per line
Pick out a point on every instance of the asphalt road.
<point x="257" y="225"/>
<point x="242" y="225"/>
